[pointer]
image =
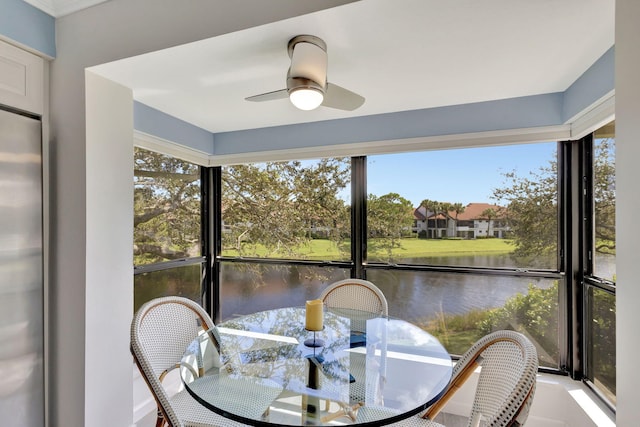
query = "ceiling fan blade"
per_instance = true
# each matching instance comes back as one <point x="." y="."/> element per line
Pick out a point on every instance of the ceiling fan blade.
<point x="341" y="98"/>
<point x="269" y="96"/>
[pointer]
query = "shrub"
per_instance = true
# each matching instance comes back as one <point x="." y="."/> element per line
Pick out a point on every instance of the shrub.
<point x="534" y="313"/>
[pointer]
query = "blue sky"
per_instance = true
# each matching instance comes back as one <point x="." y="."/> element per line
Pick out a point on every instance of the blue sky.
<point x="461" y="175"/>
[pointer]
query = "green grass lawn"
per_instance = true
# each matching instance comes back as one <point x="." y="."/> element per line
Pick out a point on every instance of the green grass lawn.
<point x="321" y="249"/>
<point x="424" y="248"/>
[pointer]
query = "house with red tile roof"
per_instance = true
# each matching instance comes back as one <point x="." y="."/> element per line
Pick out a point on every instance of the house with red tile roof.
<point x="478" y="220"/>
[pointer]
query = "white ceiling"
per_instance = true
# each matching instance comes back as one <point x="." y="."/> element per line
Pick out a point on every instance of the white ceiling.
<point x="400" y="55"/>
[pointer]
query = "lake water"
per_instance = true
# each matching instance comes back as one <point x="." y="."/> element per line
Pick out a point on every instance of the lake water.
<point x="411" y="295"/>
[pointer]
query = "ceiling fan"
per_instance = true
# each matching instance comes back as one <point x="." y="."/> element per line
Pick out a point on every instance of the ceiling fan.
<point x="307" y="85"/>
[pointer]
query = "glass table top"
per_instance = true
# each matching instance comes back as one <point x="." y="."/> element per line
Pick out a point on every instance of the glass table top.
<point x="256" y="369"/>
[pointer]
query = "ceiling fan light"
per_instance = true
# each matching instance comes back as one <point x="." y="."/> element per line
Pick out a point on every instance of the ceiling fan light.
<point x="306" y="98"/>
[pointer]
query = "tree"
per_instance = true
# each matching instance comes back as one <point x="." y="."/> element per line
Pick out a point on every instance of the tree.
<point x="489" y="213"/>
<point x="532" y="211"/>
<point x="430" y="206"/>
<point x="532" y="207"/>
<point x="389" y="218"/>
<point x="269" y="209"/>
<point x="166" y="208"/>
<point x="445" y="208"/>
<point x="458" y="208"/>
<point x="604" y="195"/>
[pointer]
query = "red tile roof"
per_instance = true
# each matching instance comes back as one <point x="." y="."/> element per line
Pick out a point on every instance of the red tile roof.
<point x="474" y="211"/>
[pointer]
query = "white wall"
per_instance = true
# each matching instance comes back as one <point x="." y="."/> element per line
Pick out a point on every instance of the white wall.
<point x="627" y="204"/>
<point x="86" y="294"/>
<point x="109" y="258"/>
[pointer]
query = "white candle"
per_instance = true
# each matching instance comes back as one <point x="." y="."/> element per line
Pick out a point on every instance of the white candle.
<point x="313" y="318"/>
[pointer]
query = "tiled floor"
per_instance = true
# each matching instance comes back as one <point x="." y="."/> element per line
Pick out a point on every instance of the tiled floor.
<point x="448" y="420"/>
<point x="451" y="420"/>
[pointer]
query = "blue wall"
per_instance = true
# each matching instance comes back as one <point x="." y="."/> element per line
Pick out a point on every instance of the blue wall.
<point x="515" y="113"/>
<point x="155" y="122"/>
<point x="28" y="26"/>
<point x="592" y="85"/>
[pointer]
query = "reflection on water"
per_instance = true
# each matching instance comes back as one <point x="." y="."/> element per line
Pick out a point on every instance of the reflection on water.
<point x="415" y="295"/>
<point x="261" y="287"/>
<point x="411" y="295"/>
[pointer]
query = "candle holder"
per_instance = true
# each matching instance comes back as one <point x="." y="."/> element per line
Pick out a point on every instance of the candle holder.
<point x="314" y="321"/>
<point x="314" y="342"/>
<point x="314" y="365"/>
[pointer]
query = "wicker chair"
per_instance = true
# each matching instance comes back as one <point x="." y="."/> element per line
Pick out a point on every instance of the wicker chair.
<point x="161" y="330"/>
<point x="506" y="384"/>
<point x="361" y="295"/>
<point x="356" y="294"/>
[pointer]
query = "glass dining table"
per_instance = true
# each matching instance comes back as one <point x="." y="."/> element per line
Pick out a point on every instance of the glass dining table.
<point x="389" y="366"/>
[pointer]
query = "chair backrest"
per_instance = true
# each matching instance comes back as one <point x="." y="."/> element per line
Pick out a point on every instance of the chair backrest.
<point x="507" y="380"/>
<point x="161" y="330"/>
<point x="357" y="294"/>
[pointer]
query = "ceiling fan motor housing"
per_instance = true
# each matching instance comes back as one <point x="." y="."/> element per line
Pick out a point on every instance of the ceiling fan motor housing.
<point x="308" y="68"/>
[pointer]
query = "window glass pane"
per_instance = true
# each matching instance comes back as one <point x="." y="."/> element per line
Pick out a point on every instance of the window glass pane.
<point x="181" y="281"/>
<point x="602" y="351"/>
<point x="479" y="207"/>
<point x="461" y="308"/>
<point x="166" y="208"/>
<point x="249" y="288"/>
<point x="604" y="196"/>
<point x="289" y="210"/>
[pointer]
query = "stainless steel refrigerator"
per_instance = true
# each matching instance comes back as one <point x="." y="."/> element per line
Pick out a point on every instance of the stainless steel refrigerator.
<point x="21" y="272"/>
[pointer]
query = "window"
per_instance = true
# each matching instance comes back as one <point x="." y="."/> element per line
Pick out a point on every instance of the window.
<point x="478" y="207"/>
<point x="285" y="234"/>
<point x="600" y="264"/>
<point x="461" y="241"/>
<point x="459" y="308"/>
<point x="604" y="201"/>
<point x="601" y="341"/>
<point x="465" y="241"/>
<point x="167" y="227"/>
<point x="287" y="210"/>
<point x="181" y="281"/>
